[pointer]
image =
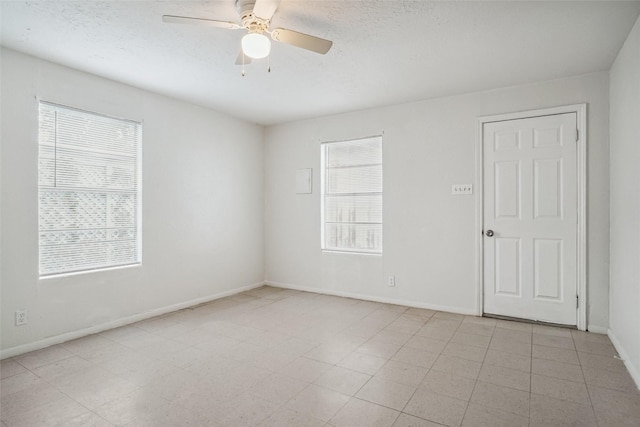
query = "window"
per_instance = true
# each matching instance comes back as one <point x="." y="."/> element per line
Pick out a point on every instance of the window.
<point x="352" y="195"/>
<point x="88" y="190"/>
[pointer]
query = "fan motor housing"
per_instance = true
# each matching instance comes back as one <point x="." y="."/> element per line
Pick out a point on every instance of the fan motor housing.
<point x="251" y="22"/>
<point x="245" y="7"/>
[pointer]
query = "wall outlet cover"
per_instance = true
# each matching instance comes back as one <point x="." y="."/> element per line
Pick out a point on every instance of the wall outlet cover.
<point x="21" y="317"/>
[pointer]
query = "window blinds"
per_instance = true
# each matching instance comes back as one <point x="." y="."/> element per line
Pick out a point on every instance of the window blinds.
<point x="352" y="195"/>
<point x="89" y="190"/>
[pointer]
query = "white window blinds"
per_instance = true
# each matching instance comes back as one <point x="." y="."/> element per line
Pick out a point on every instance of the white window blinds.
<point x="89" y="190"/>
<point x="352" y="195"/>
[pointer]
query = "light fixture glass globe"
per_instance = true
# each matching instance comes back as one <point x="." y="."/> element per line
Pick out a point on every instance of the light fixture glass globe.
<point x="256" y="46"/>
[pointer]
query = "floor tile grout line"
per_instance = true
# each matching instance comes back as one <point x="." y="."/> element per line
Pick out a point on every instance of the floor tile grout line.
<point x="336" y="365"/>
<point x="74" y="399"/>
<point x="475" y="384"/>
<point x="530" y="374"/>
<point x="586" y="385"/>
<point x="388" y="359"/>
<point x="427" y="369"/>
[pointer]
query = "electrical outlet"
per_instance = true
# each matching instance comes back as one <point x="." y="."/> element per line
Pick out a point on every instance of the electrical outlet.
<point x="21" y="317"/>
<point x="458" y="189"/>
<point x="392" y="281"/>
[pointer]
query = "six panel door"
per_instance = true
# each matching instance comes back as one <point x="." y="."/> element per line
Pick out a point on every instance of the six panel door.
<point x="530" y="208"/>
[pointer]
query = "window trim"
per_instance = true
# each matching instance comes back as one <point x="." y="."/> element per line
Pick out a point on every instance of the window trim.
<point x="94" y="270"/>
<point x="138" y="192"/>
<point x="323" y="178"/>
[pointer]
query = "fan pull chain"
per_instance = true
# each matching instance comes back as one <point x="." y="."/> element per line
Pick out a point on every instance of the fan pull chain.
<point x="269" y="64"/>
<point x="242" y="64"/>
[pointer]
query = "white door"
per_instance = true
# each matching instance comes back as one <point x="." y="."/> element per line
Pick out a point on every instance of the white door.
<point x="530" y="218"/>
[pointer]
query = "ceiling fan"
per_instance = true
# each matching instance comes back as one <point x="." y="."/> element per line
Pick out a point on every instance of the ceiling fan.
<point x="255" y="16"/>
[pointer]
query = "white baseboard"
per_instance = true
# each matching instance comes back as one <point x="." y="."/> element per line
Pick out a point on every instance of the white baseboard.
<point x="598" y="329"/>
<point x="633" y="370"/>
<point x="458" y="310"/>
<point x="58" y="339"/>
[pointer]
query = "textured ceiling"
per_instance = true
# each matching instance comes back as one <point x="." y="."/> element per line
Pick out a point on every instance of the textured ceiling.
<point x="384" y="52"/>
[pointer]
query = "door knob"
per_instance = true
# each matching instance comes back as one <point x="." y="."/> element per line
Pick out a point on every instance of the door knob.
<point x="489" y="233"/>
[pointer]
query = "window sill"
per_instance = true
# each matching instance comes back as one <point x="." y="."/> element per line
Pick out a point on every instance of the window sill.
<point x="97" y="270"/>
<point x="337" y="251"/>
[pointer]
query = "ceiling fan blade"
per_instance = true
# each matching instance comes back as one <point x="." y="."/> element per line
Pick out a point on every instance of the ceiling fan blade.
<point x="171" y="19"/>
<point x="265" y="8"/>
<point x="305" y="41"/>
<point x="247" y="60"/>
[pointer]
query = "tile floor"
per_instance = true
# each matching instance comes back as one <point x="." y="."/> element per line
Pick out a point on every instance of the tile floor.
<point x="273" y="357"/>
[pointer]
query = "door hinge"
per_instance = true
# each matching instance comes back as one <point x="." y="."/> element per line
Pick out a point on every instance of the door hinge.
<point x="577" y="301"/>
<point x="577" y="135"/>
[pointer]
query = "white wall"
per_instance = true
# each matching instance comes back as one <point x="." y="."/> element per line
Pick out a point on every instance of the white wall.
<point x="429" y="235"/>
<point x="202" y="205"/>
<point x="203" y="201"/>
<point x="625" y="202"/>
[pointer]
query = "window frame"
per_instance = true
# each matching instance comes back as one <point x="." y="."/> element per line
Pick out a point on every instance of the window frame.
<point x="323" y="195"/>
<point x="138" y="193"/>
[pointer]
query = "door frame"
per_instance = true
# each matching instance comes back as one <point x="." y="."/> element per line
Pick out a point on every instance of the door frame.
<point x="581" y="266"/>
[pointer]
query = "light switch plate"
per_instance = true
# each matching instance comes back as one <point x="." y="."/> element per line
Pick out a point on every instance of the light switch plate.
<point x="458" y="189"/>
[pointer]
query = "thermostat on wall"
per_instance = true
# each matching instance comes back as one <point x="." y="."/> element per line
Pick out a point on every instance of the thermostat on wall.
<point x="303" y="181"/>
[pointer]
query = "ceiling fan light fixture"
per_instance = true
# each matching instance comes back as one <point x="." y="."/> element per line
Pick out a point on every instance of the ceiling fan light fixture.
<point x="256" y="45"/>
